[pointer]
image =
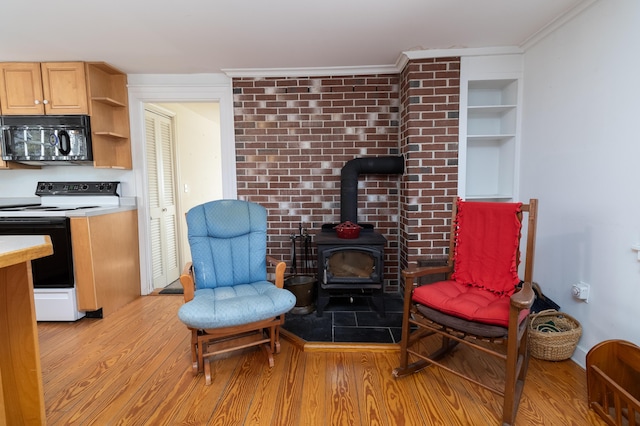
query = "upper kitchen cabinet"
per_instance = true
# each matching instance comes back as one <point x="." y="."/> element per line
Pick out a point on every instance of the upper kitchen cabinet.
<point x="56" y="88"/>
<point x="109" y="111"/>
<point x="490" y="99"/>
<point x="68" y="88"/>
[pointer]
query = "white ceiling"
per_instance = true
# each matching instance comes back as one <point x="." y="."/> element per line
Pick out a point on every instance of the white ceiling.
<point x="207" y="36"/>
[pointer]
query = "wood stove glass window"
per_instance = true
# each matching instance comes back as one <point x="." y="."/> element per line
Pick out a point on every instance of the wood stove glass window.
<point x="345" y="265"/>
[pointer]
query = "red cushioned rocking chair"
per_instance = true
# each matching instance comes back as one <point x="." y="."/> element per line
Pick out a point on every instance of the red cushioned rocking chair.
<point x="479" y="299"/>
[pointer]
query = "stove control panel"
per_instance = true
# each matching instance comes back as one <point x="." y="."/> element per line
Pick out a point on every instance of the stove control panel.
<point x="77" y="188"/>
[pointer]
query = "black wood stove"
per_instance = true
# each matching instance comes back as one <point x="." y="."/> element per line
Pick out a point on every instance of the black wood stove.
<point x="354" y="266"/>
<point x="350" y="266"/>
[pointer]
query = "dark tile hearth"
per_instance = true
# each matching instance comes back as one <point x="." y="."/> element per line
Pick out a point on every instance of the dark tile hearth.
<point x="350" y="320"/>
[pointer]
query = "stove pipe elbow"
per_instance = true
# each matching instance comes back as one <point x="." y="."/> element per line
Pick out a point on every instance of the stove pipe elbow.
<point x="349" y="180"/>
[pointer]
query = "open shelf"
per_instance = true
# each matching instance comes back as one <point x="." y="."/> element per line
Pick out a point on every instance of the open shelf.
<point x="490" y="139"/>
<point x="111" y="134"/>
<point x="485" y="93"/>
<point x="108" y="101"/>
<point x="490" y="167"/>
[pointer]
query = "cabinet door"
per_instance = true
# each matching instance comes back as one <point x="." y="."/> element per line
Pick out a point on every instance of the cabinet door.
<point x="65" y="88"/>
<point x="21" y="88"/>
<point x="163" y="221"/>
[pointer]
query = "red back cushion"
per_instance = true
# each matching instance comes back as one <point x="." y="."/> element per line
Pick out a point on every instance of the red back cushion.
<point x="486" y="250"/>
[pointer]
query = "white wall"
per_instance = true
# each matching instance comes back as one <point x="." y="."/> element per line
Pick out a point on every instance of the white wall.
<point x="580" y="154"/>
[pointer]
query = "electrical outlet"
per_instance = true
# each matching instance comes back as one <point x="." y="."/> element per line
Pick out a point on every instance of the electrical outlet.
<point x="581" y="291"/>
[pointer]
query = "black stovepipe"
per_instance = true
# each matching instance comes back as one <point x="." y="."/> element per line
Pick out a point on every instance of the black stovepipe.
<point x="349" y="180"/>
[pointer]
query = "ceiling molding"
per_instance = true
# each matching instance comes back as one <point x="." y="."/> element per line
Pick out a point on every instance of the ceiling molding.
<point x="464" y="51"/>
<point x="309" y="72"/>
<point x="401" y="62"/>
<point x="556" y="23"/>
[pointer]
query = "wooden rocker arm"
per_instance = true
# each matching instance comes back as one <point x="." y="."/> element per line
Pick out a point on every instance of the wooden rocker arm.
<point x="188" y="282"/>
<point x="281" y="267"/>
<point x="523" y="298"/>
<point x="189" y="286"/>
<point x="417" y="272"/>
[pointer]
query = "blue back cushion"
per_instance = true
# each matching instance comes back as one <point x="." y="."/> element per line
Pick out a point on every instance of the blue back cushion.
<point x="228" y="240"/>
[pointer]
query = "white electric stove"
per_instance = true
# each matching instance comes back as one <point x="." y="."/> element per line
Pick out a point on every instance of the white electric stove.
<point x="53" y="276"/>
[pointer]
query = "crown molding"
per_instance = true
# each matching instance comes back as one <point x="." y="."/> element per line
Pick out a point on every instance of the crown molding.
<point x="464" y="51"/>
<point x="556" y="23"/>
<point x="401" y="62"/>
<point x="309" y="72"/>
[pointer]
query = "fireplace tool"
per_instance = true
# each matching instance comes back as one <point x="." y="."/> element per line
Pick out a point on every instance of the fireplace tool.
<point x="301" y="285"/>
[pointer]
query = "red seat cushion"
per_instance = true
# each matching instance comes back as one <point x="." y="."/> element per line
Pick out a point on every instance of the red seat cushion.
<point x="465" y="301"/>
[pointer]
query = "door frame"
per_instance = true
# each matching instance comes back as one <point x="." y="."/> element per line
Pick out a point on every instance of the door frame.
<point x="152" y="88"/>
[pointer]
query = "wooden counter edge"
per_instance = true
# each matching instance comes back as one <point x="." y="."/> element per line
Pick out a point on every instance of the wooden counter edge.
<point x="27" y="253"/>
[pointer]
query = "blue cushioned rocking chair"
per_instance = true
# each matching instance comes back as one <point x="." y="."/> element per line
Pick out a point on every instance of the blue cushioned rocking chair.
<point x="229" y="302"/>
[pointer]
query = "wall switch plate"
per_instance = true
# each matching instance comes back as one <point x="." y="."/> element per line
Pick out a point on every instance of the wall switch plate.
<point x="581" y="291"/>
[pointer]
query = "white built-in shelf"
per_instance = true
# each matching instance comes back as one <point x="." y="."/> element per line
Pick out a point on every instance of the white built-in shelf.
<point x="498" y="197"/>
<point x="485" y="138"/>
<point x="490" y="109"/>
<point x="490" y="139"/>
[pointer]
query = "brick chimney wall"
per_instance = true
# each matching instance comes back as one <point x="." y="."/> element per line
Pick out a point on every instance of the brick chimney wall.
<point x="430" y="96"/>
<point x="294" y="135"/>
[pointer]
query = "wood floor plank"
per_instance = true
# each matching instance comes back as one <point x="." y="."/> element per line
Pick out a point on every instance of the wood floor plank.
<point x="286" y="398"/>
<point x="401" y="405"/>
<point x="144" y="387"/>
<point x="342" y="394"/>
<point x="168" y="390"/>
<point x="130" y="363"/>
<point x="88" y="338"/>
<point x="198" y="407"/>
<point x="134" y="368"/>
<point x="235" y="400"/>
<point x="314" y="408"/>
<point x="370" y="395"/>
<point x="563" y="398"/>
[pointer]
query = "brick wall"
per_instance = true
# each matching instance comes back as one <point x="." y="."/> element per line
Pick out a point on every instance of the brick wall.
<point x="430" y="91"/>
<point x="294" y="135"/>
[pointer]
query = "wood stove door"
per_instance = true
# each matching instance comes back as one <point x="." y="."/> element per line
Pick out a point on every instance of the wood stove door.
<point x="351" y="267"/>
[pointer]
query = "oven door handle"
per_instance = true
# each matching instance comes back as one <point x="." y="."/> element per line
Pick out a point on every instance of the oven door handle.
<point x="49" y="221"/>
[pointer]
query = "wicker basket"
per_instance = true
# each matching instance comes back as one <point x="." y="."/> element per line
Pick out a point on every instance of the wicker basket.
<point x="559" y="339"/>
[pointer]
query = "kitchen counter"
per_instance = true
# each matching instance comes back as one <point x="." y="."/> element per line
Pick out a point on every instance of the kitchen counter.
<point x="100" y="210"/>
<point x="21" y="391"/>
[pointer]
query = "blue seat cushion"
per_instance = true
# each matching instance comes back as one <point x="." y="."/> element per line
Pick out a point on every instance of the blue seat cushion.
<point x="235" y="305"/>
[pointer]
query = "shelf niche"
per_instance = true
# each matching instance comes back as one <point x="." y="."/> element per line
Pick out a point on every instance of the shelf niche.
<point x="491" y="139"/>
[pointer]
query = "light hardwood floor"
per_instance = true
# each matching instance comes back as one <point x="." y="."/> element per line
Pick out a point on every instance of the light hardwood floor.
<point x="134" y="368"/>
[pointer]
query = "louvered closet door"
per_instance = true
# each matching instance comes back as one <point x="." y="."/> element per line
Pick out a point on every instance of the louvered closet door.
<point x="162" y="199"/>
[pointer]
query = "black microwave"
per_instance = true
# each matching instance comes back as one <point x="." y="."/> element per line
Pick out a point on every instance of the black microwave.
<point x="47" y="139"/>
